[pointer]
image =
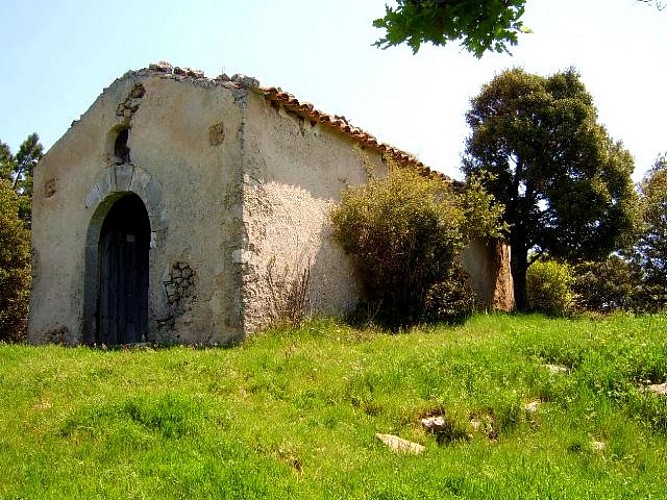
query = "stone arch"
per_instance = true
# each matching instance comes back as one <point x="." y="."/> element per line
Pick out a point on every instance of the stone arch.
<point x="118" y="182"/>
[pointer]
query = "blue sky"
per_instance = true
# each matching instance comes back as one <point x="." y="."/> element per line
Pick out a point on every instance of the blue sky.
<point x="59" y="55"/>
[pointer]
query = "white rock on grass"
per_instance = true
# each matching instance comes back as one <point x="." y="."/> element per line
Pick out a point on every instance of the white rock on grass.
<point x="659" y="389"/>
<point x="532" y="406"/>
<point x="435" y="424"/>
<point x="400" y="445"/>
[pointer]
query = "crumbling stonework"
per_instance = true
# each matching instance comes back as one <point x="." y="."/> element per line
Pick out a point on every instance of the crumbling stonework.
<point x="237" y="182"/>
<point x="131" y="103"/>
<point x="179" y="282"/>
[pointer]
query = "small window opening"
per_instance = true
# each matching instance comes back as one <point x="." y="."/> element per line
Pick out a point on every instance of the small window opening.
<point x="121" y="151"/>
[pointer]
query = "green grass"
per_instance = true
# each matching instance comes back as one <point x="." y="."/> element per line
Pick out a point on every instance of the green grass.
<point x="293" y="414"/>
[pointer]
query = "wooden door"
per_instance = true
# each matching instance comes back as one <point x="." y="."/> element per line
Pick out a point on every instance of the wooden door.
<point x="123" y="281"/>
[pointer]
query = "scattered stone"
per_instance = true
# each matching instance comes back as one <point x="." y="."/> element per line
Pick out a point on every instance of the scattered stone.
<point x="162" y="66"/>
<point x="435" y="424"/>
<point x="485" y="424"/>
<point x="444" y="430"/>
<point x="659" y="389"/>
<point x="532" y="406"/>
<point x="557" y="368"/>
<point x="400" y="445"/>
<point x="245" y="81"/>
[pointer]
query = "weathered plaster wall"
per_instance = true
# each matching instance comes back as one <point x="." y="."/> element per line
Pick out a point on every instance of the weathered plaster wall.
<point x="189" y="136"/>
<point x="185" y="163"/>
<point x="295" y="172"/>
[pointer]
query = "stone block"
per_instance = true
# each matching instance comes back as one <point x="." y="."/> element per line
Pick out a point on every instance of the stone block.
<point x="124" y="176"/>
<point x="400" y="445"/>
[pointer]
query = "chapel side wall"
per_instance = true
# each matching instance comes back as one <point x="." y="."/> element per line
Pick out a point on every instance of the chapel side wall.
<point x="295" y="172"/>
<point x="185" y="165"/>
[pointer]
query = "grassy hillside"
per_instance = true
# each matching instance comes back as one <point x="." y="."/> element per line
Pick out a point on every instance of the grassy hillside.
<point x="535" y="408"/>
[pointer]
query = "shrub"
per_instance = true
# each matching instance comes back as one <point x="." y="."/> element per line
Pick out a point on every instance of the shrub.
<point x="288" y="294"/>
<point x="404" y="232"/>
<point x="608" y="285"/>
<point x="651" y="297"/>
<point x="451" y="300"/>
<point x="548" y="287"/>
<point x="650" y="252"/>
<point x="14" y="267"/>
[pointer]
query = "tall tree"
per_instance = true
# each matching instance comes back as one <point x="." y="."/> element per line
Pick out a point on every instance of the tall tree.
<point x="651" y="250"/>
<point x="565" y="184"/>
<point x="480" y="25"/>
<point x="15" y="214"/>
<point x="17" y="170"/>
<point x="14" y="266"/>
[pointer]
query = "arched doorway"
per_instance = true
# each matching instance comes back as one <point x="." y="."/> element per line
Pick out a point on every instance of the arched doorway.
<point x="122" y="301"/>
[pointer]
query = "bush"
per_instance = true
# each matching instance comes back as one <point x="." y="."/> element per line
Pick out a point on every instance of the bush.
<point x="650" y="252"/>
<point x="605" y="286"/>
<point x="651" y="297"/>
<point x="548" y="287"/>
<point x="14" y="267"/>
<point x="404" y="233"/>
<point x="451" y="300"/>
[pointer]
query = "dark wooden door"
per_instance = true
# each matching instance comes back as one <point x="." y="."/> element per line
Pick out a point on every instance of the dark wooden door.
<point x="123" y="292"/>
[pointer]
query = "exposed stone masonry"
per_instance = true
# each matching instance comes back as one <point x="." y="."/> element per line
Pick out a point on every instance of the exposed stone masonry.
<point x="50" y="188"/>
<point x="131" y="104"/>
<point x="179" y="282"/>
<point x="216" y="134"/>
